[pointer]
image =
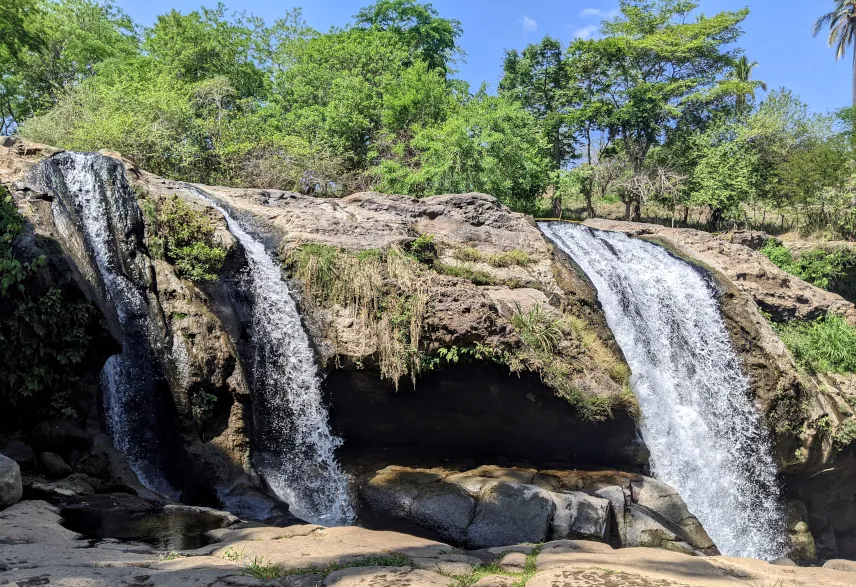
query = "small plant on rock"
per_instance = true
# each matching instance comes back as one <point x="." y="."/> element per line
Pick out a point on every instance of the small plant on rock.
<point x="538" y="329"/>
<point x="184" y="237"/>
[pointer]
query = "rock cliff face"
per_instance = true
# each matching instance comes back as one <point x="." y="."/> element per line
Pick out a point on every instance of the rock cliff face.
<point x="450" y="334"/>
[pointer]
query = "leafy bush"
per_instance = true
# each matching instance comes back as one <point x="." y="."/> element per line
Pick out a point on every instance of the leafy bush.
<point x="822" y="268"/>
<point x="43" y="336"/>
<point x="422" y="249"/>
<point x="184" y="237"/>
<point x="825" y="345"/>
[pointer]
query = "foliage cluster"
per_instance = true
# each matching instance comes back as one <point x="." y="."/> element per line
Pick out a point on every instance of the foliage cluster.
<point x="825" y="345"/>
<point x="546" y="337"/>
<point x="184" y="236"/>
<point x="385" y="291"/>
<point x="43" y="335"/>
<point x="820" y="267"/>
<point x="658" y="110"/>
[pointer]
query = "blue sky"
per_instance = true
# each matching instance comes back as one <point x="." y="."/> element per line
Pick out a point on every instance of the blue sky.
<point x="777" y="34"/>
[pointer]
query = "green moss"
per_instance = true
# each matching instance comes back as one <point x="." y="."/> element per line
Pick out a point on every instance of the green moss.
<point x="267" y="572"/>
<point x="481" y="571"/>
<point x="467" y="254"/>
<point x="544" y="335"/>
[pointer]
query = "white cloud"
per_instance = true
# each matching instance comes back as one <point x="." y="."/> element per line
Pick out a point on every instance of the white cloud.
<point x="598" y="13"/>
<point x="586" y="32"/>
<point x="530" y="25"/>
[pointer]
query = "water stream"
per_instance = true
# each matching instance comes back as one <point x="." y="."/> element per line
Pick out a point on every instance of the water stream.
<point x="293" y="447"/>
<point x="698" y="421"/>
<point x="93" y="197"/>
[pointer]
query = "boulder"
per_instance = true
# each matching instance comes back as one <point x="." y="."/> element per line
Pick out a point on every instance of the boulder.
<point x="54" y="466"/>
<point x="580" y="515"/>
<point x="11" y="488"/>
<point x="20" y="453"/>
<point x="418" y="498"/>
<point x="58" y="436"/>
<point x="666" y="501"/>
<point x="510" y="513"/>
<point x="645" y="527"/>
<point x="801" y="546"/>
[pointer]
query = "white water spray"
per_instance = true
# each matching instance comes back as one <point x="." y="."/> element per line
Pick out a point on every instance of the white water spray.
<point x="295" y="452"/>
<point x="702" y="430"/>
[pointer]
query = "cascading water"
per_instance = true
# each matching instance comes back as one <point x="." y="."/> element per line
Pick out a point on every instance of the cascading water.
<point x="704" y="434"/>
<point x="294" y="449"/>
<point x="92" y="199"/>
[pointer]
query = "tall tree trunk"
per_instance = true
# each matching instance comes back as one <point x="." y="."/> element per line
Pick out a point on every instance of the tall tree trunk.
<point x="853" y="81"/>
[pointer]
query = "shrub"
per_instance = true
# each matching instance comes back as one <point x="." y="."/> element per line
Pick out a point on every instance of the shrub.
<point x="43" y="335"/>
<point x="184" y="237"/>
<point x="423" y="249"/>
<point x="821" y="268"/>
<point x="825" y="345"/>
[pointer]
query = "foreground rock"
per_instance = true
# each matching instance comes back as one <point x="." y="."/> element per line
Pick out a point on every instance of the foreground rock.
<point x="38" y="551"/>
<point x="494" y="507"/>
<point x="11" y="489"/>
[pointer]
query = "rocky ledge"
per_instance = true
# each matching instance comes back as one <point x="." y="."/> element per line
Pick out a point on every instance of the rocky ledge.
<point x="37" y="550"/>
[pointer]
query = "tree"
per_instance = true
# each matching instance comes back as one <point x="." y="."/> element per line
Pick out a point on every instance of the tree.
<point x="842" y="32"/>
<point x="74" y="37"/>
<point x="741" y="72"/>
<point x="538" y="78"/>
<point x="205" y="44"/>
<point x="655" y="64"/>
<point x="16" y="34"/>
<point x="489" y="144"/>
<point x="418" y="27"/>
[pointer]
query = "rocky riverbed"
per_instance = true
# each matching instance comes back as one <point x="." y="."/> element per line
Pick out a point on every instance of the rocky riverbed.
<point x="35" y="549"/>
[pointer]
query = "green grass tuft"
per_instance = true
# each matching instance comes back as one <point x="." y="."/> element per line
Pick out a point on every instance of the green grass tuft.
<point x="825" y="345"/>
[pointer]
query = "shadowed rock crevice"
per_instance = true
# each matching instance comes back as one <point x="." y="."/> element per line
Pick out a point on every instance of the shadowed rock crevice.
<point x="472" y="413"/>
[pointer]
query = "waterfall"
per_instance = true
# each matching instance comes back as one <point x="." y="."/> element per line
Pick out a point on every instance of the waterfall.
<point x="698" y="420"/>
<point x="294" y="449"/>
<point x="92" y="198"/>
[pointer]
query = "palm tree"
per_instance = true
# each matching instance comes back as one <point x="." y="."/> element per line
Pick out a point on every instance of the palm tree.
<point x="842" y="31"/>
<point x="741" y="72"/>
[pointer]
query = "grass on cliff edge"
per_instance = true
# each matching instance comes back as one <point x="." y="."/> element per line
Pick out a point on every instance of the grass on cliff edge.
<point x="821" y="268"/>
<point x="386" y="293"/>
<point x="825" y="345"/>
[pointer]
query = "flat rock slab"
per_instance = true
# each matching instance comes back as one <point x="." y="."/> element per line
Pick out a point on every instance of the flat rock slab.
<point x="597" y="578"/>
<point x="326" y="546"/>
<point x="387" y="577"/>
<point x="561" y="566"/>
